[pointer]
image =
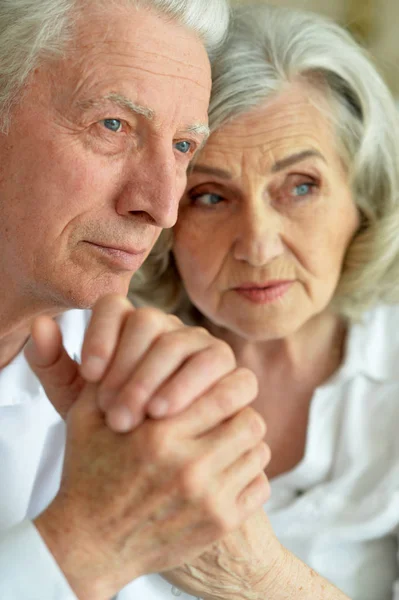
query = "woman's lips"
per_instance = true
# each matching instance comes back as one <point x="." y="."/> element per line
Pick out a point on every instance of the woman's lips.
<point x="266" y="293"/>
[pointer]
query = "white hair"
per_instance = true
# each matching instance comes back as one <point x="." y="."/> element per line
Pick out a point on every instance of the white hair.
<point x="30" y="30"/>
<point x="268" y="47"/>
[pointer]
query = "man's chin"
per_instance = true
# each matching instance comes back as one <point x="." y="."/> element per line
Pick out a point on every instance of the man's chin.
<point x="85" y="296"/>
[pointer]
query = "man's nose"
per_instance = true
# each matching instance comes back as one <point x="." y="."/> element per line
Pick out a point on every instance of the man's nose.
<point x="154" y="189"/>
<point x="258" y="236"/>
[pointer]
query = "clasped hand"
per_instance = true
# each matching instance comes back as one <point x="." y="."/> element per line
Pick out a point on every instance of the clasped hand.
<point x="154" y="498"/>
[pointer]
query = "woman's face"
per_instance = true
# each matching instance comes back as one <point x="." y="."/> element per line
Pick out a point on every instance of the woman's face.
<point x="266" y="219"/>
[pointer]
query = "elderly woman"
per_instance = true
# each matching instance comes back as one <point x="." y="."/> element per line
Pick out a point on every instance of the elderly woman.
<point x="287" y="247"/>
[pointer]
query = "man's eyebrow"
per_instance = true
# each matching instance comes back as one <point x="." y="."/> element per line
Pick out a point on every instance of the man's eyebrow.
<point x="201" y="130"/>
<point x="121" y="101"/>
<point x="294" y="158"/>
<point x="278" y="166"/>
<point x="197" y="168"/>
<point x="198" y="129"/>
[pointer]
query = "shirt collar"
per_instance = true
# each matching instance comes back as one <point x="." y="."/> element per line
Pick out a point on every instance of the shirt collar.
<point x="18" y="384"/>
<point x="372" y="347"/>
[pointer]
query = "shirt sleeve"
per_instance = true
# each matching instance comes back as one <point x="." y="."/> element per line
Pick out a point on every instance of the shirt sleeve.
<point x="28" y="570"/>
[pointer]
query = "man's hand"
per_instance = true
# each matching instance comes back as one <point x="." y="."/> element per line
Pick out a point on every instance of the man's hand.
<point x="157" y="497"/>
<point x="145" y="362"/>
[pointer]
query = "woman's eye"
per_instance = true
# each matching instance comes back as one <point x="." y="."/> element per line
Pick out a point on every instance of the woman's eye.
<point x="184" y="147"/>
<point x="114" y="125"/>
<point x="303" y="189"/>
<point x="207" y="199"/>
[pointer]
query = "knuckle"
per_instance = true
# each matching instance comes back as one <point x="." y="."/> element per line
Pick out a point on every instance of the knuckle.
<point x="176" y="397"/>
<point x="134" y="394"/>
<point x="167" y="344"/>
<point x="248" y="381"/>
<point x="257" y="493"/>
<point x="225" y="520"/>
<point x="225" y="351"/>
<point x="264" y="454"/>
<point x="175" y="320"/>
<point x="111" y="301"/>
<point x="199" y="331"/>
<point x="257" y="424"/>
<point x="221" y="510"/>
<point x="192" y="481"/>
<point x="100" y="348"/>
<point x="254" y="425"/>
<point x="147" y="317"/>
<point x="188" y="336"/>
<point x="225" y="401"/>
<point x="157" y="442"/>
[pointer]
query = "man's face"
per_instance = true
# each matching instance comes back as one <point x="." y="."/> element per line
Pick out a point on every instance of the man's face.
<point x="95" y="161"/>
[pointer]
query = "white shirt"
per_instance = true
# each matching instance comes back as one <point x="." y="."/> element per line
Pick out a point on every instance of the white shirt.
<point x="338" y="509"/>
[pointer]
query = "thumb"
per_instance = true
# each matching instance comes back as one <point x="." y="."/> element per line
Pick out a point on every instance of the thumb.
<point x="48" y="359"/>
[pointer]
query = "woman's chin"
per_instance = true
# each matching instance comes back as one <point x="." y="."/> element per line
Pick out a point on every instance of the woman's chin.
<point x="262" y="330"/>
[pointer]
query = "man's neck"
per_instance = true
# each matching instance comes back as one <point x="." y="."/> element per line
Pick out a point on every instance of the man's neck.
<point x="15" y="326"/>
<point x="11" y="345"/>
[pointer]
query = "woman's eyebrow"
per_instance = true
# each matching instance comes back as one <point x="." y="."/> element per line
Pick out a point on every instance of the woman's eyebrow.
<point x="294" y="158"/>
<point x="211" y="171"/>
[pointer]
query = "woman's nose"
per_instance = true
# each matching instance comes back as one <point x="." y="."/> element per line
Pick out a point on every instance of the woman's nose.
<point x="258" y="240"/>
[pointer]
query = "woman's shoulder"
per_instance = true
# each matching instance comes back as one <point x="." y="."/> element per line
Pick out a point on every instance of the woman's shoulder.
<point x="373" y="344"/>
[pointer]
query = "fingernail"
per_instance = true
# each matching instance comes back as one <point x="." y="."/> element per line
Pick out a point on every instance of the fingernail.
<point x="120" y="419"/>
<point x="158" y="408"/>
<point x="92" y="368"/>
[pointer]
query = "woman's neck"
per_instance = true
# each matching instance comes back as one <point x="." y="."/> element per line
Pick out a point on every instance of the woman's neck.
<point x="310" y="355"/>
<point x="288" y="371"/>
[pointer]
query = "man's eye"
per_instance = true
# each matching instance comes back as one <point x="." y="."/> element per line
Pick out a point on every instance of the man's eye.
<point x="183" y="147"/>
<point x="114" y="125"/>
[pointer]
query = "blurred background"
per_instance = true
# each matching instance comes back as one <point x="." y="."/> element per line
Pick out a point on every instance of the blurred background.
<point x="375" y="23"/>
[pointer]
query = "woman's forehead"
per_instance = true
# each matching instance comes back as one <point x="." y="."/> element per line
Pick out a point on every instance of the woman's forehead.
<point x="290" y="124"/>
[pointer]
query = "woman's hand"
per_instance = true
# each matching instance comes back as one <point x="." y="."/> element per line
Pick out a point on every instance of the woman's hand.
<point x="236" y="567"/>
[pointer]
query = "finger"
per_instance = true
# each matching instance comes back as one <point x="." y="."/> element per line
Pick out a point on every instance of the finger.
<point x="197" y="374"/>
<point x="102" y="335"/>
<point x="141" y="330"/>
<point x="56" y="371"/>
<point x="85" y="411"/>
<point x="232" y="439"/>
<point x="246" y="469"/>
<point x="228" y="396"/>
<point x="162" y="363"/>
<point x="253" y="496"/>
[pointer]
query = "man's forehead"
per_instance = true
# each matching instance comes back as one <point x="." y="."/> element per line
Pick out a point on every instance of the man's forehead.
<point x="142" y="33"/>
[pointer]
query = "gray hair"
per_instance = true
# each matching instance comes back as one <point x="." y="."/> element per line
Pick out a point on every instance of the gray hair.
<point x="31" y="30"/>
<point x="268" y="47"/>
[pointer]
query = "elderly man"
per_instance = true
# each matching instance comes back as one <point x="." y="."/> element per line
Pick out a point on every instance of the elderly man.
<point x="103" y="105"/>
